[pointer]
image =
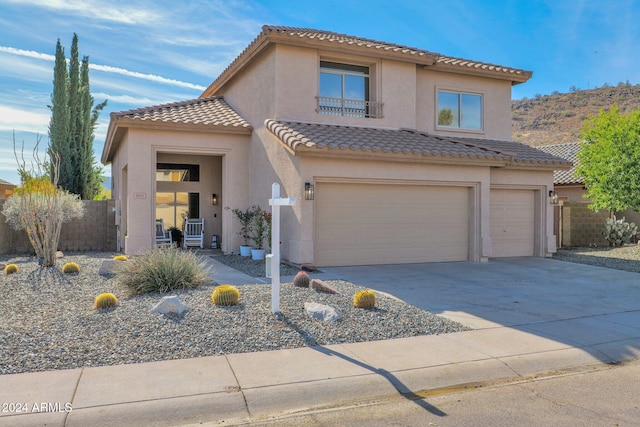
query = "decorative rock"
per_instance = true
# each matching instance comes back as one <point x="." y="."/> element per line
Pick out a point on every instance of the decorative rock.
<point x="322" y="312"/>
<point x="170" y="305"/>
<point x="59" y="254"/>
<point x="110" y="267"/>
<point x="2" y="266"/>
<point x="322" y="286"/>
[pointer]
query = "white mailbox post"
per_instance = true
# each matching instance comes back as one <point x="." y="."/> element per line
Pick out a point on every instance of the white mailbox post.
<point x="275" y="203"/>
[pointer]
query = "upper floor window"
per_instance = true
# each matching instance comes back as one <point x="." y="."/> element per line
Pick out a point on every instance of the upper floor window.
<point x="459" y="110"/>
<point x="344" y="91"/>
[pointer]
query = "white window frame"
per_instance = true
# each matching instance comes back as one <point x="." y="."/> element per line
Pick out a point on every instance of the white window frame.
<point x="459" y="93"/>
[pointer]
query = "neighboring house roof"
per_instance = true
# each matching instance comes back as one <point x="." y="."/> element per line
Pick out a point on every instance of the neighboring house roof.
<point x="3" y="182"/>
<point x="343" y="43"/>
<point x="405" y="145"/>
<point x="569" y="152"/>
<point x="196" y="114"/>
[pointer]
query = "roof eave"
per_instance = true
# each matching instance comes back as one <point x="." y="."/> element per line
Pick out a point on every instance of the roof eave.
<point x="350" y="154"/>
<point x="514" y="77"/>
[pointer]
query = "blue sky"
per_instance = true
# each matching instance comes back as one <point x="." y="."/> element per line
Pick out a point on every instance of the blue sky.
<point x="145" y="53"/>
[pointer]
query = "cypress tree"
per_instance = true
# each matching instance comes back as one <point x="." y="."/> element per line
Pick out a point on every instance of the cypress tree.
<point x="59" y="125"/>
<point x="73" y="141"/>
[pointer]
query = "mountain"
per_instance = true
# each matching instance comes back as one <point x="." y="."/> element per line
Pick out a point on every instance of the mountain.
<point x="558" y="118"/>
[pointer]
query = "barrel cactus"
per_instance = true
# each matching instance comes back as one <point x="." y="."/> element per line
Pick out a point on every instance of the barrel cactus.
<point x="301" y="279"/>
<point x="70" y="267"/>
<point x="225" y="295"/>
<point x="10" y="269"/>
<point x="364" y="299"/>
<point x="105" y="300"/>
<point x="120" y="258"/>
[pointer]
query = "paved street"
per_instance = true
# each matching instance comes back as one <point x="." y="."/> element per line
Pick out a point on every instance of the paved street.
<point x="603" y="396"/>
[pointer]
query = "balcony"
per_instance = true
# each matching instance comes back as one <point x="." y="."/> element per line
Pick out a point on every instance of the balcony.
<point x="349" y="107"/>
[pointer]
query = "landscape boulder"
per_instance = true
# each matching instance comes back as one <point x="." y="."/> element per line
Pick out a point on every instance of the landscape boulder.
<point x="170" y="305"/>
<point x="110" y="267"/>
<point x="322" y="286"/>
<point x="322" y="312"/>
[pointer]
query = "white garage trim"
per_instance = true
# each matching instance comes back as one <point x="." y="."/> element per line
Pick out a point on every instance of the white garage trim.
<point x="384" y="223"/>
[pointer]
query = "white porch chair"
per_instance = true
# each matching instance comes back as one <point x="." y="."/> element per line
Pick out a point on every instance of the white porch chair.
<point x="193" y="233"/>
<point x="163" y="237"/>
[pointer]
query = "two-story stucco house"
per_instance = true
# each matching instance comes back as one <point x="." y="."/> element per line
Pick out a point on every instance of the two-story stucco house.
<point x="408" y="152"/>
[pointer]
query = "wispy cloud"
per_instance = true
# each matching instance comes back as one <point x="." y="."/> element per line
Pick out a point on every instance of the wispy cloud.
<point x="150" y="77"/>
<point x="105" y="68"/>
<point x="14" y="118"/>
<point x="103" y="11"/>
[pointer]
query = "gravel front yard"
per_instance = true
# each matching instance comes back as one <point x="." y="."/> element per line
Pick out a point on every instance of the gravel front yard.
<point x="623" y="258"/>
<point x="47" y="320"/>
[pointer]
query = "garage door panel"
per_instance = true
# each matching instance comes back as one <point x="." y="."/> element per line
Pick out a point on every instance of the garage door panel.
<point x="512" y="224"/>
<point x="378" y="224"/>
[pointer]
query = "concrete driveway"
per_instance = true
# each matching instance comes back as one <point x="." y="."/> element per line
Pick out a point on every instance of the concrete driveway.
<point x="583" y="306"/>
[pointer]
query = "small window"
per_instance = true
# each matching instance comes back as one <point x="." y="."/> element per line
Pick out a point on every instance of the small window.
<point x="173" y="172"/>
<point x="459" y="110"/>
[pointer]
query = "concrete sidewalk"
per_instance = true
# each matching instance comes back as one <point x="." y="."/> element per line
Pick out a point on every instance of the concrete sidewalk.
<point x="249" y="386"/>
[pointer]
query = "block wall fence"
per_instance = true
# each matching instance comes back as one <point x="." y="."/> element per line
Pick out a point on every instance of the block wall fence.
<point x="95" y="231"/>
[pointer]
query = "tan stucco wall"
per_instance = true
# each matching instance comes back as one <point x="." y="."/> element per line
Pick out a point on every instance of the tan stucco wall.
<point x="136" y="186"/>
<point x="283" y="84"/>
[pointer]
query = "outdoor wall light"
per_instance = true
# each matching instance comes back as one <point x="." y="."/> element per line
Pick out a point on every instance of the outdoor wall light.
<point x="308" y="191"/>
<point x="214" y="199"/>
<point x="553" y="197"/>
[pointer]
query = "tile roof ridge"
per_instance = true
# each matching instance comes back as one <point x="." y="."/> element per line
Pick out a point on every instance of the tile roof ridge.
<point x="194" y="101"/>
<point x="266" y="29"/>
<point x="470" y="63"/>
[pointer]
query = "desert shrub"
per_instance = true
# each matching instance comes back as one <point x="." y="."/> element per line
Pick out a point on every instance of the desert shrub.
<point x="105" y="300"/>
<point x="40" y="208"/>
<point x="618" y="231"/>
<point x="70" y="267"/>
<point x="120" y="258"/>
<point x="10" y="269"/>
<point x="364" y="299"/>
<point x="225" y="295"/>
<point x="163" y="269"/>
<point x="301" y="279"/>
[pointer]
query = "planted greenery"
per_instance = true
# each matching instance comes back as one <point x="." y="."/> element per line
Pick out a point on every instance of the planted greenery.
<point x="364" y="299"/>
<point x="301" y="279"/>
<point x="163" y="269"/>
<point x="70" y="267"/>
<point x="120" y="258"/>
<point x="10" y="269"/>
<point x="106" y="300"/>
<point x="225" y="295"/>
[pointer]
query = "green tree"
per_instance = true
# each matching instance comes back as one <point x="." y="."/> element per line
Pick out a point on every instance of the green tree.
<point x="445" y="117"/>
<point x="73" y="121"/>
<point x="609" y="162"/>
<point x="59" y="123"/>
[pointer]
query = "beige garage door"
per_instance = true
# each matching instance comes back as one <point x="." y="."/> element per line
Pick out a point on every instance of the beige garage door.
<point x="364" y="224"/>
<point x="512" y="223"/>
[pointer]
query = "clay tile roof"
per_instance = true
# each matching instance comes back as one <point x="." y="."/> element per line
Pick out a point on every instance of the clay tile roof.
<point x="335" y="41"/>
<point x="213" y="111"/>
<point x="307" y="137"/>
<point x="337" y="38"/>
<point x="569" y="152"/>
